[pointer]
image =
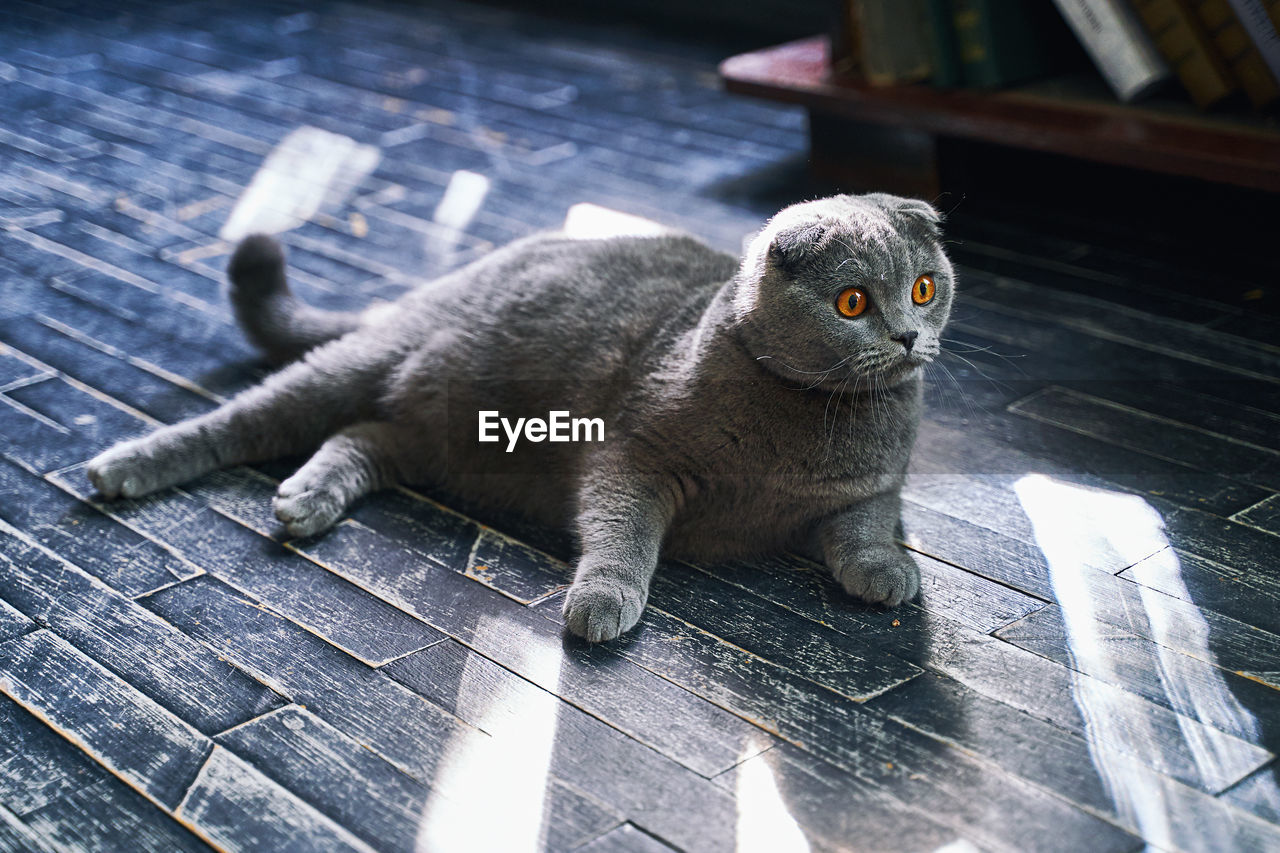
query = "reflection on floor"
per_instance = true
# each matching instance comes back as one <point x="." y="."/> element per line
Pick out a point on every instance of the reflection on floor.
<point x="1095" y="659"/>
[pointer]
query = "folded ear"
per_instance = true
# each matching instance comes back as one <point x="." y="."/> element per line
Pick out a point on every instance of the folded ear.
<point x="921" y="212"/>
<point x="789" y="246"/>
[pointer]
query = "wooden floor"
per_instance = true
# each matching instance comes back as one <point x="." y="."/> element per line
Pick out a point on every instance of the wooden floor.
<point x="1093" y="665"/>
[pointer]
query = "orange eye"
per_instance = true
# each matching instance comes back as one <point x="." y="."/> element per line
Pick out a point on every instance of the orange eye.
<point x="922" y="291"/>
<point x="851" y="302"/>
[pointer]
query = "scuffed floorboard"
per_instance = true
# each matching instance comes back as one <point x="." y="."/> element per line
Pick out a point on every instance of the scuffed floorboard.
<point x="1094" y="663"/>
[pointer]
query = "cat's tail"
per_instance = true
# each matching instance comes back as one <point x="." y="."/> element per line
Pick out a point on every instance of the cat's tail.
<point x="273" y="319"/>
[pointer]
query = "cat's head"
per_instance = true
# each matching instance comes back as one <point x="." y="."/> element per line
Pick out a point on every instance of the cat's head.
<point x="858" y="285"/>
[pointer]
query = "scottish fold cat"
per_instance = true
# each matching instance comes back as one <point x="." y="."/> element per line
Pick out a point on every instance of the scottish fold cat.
<point x="748" y="405"/>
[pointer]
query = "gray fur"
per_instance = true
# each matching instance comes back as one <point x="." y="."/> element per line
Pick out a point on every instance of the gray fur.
<point x="745" y="414"/>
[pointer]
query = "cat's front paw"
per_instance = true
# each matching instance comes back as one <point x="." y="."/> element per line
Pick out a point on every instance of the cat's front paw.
<point x="125" y="471"/>
<point x="885" y="575"/>
<point x="599" y="609"/>
<point x="307" y="508"/>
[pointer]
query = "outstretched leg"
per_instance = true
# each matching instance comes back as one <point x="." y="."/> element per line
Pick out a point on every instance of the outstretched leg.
<point x="622" y="520"/>
<point x="291" y="412"/>
<point x="359" y="460"/>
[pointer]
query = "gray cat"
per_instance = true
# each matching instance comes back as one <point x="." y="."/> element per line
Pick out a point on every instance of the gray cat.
<point x="748" y="406"/>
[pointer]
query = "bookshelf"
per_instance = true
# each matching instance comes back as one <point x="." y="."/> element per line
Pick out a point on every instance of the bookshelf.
<point x="858" y="132"/>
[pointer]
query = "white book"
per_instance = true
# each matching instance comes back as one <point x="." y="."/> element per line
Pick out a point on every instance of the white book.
<point x="1257" y="23"/>
<point x="1114" y="38"/>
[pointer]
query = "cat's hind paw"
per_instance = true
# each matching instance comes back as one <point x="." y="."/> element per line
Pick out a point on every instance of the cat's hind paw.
<point x="307" y="509"/>
<point x="600" y="609"/>
<point x="125" y="471"/>
<point x="885" y="575"/>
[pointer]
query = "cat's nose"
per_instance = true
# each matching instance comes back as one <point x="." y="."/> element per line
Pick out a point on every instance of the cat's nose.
<point x="907" y="339"/>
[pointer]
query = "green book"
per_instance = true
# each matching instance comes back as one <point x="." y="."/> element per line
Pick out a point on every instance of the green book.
<point x="947" y="72"/>
<point x="1000" y="42"/>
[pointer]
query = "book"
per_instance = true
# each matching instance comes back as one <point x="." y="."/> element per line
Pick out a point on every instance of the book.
<point x="1000" y="42"/>
<point x="1112" y="35"/>
<point x="1257" y="23"/>
<point x="845" y="40"/>
<point x="947" y="72"/>
<point x="1242" y="57"/>
<point x="893" y="41"/>
<point x="1184" y="43"/>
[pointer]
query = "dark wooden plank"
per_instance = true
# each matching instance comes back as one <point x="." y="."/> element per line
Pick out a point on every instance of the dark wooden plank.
<point x="514" y="568"/>
<point x="27" y="436"/>
<point x="681" y="726"/>
<point x="389" y="809"/>
<point x="74" y="424"/>
<point x="1154" y="435"/>
<point x="37" y="766"/>
<point x="995" y="669"/>
<point x="1173" y="744"/>
<point x="13" y="623"/>
<point x="407" y="521"/>
<point x="1259" y="794"/>
<point x="17" y="837"/>
<point x="771" y="631"/>
<point x="176" y="672"/>
<point x="1128" y="278"/>
<point x="219" y="369"/>
<point x="625" y="839"/>
<point x="995" y="809"/>
<point x="1264" y="515"/>
<point x="1236" y="358"/>
<point x="141" y="269"/>
<point x="991" y="444"/>
<point x="387" y="717"/>
<point x="654" y="792"/>
<point x="119" y="727"/>
<point x="14" y="369"/>
<point x="991" y="501"/>
<point x="108" y="815"/>
<point x="163" y="317"/>
<point x="410" y="522"/>
<point x="138" y="388"/>
<point x="1113" y="357"/>
<point x="239" y="809"/>
<point x="1243" y="548"/>
<point x="787" y="799"/>
<point x="1084" y="769"/>
<point x="1250" y="595"/>
<point x="1098" y="538"/>
<point x="422" y="740"/>
<point x="124" y="560"/>
<point x="1023" y="362"/>
<point x="1216" y="697"/>
<point x="1115" y="600"/>
<point x="946" y="591"/>
<point x="326" y="604"/>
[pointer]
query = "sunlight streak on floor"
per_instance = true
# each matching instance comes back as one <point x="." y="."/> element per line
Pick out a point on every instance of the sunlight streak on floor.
<point x="1070" y="523"/>
<point x="765" y="825"/>
<point x="462" y="200"/>
<point x="586" y="221"/>
<point x="490" y="793"/>
<point x="958" y="846"/>
<point x="309" y="170"/>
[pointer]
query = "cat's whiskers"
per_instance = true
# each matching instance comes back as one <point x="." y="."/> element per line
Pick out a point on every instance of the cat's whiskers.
<point x="971" y="348"/>
<point x="968" y="403"/>
<point x="821" y="375"/>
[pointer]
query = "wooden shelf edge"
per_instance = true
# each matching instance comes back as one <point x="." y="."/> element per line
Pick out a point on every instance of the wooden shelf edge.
<point x="1209" y="148"/>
